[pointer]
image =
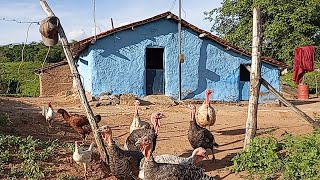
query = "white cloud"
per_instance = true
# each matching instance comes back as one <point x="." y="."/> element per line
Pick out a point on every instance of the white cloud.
<point x="77" y="35"/>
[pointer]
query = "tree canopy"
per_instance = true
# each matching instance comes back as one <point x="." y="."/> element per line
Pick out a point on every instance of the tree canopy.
<point x="34" y="52"/>
<point x="286" y="25"/>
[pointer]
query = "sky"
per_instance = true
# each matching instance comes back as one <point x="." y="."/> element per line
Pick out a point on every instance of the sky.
<point x="77" y="16"/>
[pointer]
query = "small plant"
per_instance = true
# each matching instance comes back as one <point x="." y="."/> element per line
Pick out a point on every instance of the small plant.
<point x="5" y="156"/>
<point x="67" y="177"/>
<point x="4" y="119"/>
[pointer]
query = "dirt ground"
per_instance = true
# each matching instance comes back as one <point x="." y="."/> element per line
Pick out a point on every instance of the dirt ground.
<point x="25" y="114"/>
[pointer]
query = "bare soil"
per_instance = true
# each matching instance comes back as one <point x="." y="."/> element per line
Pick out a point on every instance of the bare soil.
<point x="229" y="129"/>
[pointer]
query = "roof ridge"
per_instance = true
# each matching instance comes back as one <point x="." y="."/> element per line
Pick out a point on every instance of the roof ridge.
<point x="77" y="48"/>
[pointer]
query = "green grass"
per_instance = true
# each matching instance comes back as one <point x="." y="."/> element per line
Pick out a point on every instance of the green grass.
<point x="25" y="79"/>
<point x="29" y="152"/>
<point x="292" y="157"/>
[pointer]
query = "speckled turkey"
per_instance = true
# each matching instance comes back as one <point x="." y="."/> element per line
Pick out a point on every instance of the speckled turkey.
<point x="196" y="156"/>
<point x="124" y="165"/>
<point x="163" y="171"/>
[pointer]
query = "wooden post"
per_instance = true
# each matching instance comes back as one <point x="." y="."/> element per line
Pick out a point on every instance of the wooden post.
<point x="78" y="83"/>
<point x="255" y="75"/>
<point x="314" y="123"/>
<point x="315" y="76"/>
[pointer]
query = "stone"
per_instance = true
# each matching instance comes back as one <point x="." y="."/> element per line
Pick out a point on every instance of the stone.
<point x="127" y="99"/>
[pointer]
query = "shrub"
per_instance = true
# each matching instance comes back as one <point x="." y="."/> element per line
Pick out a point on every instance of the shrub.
<point x="261" y="157"/>
<point x="293" y="157"/>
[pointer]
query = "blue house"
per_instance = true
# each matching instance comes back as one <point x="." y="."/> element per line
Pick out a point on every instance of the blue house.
<point x="142" y="58"/>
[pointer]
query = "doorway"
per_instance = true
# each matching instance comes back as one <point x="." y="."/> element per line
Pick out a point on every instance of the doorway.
<point x="244" y="83"/>
<point x="154" y="71"/>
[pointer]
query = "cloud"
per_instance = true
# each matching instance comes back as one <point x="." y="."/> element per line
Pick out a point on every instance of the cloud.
<point x="77" y="35"/>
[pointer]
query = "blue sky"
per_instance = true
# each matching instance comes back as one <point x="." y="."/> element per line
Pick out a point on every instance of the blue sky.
<point x="76" y="16"/>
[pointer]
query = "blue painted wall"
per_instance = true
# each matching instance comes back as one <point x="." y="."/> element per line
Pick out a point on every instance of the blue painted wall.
<point x="116" y="64"/>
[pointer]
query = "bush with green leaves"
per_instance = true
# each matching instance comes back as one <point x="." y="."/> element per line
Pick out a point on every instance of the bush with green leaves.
<point x="261" y="157"/>
<point x="293" y="157"/>
<point x="302" y="157"/>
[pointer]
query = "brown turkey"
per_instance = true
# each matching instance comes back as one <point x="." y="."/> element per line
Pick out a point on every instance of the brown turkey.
<point x="206" y="116"/>
<point x="199" y="136"/>
<point x="164" y="171"/>
<point x="124" y="165"/>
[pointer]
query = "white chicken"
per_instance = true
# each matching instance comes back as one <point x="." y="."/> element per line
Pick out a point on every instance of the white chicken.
<point x="136" y="122"/>
<point x="82" y="157"/>
<point x="206" y="115"/>
<point x="49" y="114"/>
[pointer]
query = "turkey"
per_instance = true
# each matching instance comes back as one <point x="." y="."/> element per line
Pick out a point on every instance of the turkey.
<point x="196" y="156"/>
<point x="206" y="115"/>
<point x="164" y="171"/>
<point x="136" y="122"/>
<point x="138" y="133"/>
<point x="199" y="136"/>
<point x="123" y="164"/>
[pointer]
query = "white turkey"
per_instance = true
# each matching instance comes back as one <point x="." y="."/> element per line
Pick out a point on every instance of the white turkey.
<point x="136" y="121"/>
<point x="206" y="115"/>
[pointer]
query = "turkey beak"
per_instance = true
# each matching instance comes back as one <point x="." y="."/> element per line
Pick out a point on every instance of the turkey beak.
<point x="162" y="115"/>
<point x="206" y="156"/>
<point x="100" y="130"/>
<point x="139" y="142"/>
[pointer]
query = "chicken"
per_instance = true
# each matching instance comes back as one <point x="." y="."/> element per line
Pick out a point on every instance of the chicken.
<point x="123" y="164"/>
<point x="196" y="156"/>
<point x="206" y="115"/>
<point x="82" y="157"/>
<point x="165" y="171"/>
<point x="78" y="122"/>
<point x="138" y="133"/>
<point x="136" y="122"/>
<point x="49" y="114"/>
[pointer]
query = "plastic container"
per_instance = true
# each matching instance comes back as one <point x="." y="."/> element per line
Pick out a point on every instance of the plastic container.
<point x="303" y="92"/>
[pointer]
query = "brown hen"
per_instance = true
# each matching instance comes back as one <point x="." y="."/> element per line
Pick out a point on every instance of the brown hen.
<point x="78" y="122"/>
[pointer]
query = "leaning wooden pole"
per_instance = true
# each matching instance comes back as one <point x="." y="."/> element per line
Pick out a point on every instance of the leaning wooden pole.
<point x="314" y="123"/>
<point x="75" y="72"/>
<point x="290" y="105"/>
<point x="255" y="75"/>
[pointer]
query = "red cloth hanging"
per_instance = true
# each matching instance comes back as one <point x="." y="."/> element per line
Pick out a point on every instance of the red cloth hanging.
<point x="303" y="62"/>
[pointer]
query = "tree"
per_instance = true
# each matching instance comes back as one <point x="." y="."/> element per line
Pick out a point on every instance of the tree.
<point x="286" y="25"/>
<point x="34" y="51"/>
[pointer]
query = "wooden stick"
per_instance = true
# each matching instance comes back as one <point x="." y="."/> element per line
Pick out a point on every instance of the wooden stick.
<point x="74" y="71"/>
<point x="314" y="123"/>
<point x="315" y="76"/>
<point x="290" y="105"/>
<point x="255" y="75"/>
